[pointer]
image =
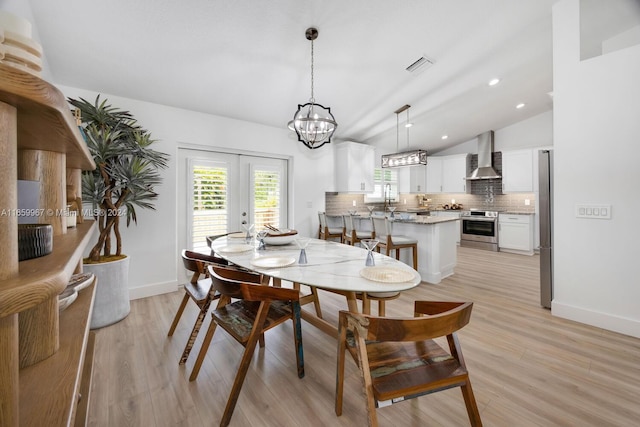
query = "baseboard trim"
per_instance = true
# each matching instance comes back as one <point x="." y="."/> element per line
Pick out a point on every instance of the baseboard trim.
<point x="606" y="321"/>
<point x="152" y="290"/>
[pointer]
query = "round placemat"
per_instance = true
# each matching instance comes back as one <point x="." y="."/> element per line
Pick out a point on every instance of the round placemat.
<point x="386" y="274"/>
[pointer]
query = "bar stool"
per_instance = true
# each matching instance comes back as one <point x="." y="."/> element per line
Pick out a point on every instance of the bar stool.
<point x="325" y="232"/>
<point x="382" y="229"/>
<point x="353" y="236"/>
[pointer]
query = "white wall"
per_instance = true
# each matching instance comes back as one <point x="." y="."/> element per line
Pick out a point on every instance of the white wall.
<point x="536" y="131"/>
<point x="596" y="154"/>
<point x="152" y="244"/>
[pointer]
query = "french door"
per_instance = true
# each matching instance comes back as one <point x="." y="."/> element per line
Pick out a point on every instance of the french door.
<point x="223" y="192"/>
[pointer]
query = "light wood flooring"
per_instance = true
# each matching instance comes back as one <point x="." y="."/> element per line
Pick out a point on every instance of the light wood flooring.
<point x="527" y="368"/>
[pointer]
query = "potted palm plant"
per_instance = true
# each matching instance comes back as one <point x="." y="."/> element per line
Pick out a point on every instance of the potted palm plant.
<point x="127" y="170"/>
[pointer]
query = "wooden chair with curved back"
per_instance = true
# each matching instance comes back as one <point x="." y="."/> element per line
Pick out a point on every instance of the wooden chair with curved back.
<point x="353" y="235"/>
<point x="213" y="237"/>
<point x="255" y="309"/>
<point x="199" y="290"/>
<point x="390" y="242"/>
<point x="325" y="232"/>
<point x="398" y="358"/>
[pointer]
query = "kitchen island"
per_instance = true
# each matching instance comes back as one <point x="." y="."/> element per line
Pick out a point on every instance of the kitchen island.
<point x="437" y="236"/>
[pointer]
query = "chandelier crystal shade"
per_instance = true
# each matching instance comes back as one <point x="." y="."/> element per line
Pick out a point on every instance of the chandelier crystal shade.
<point x="313" y="123"/>
<point x="405" y="158"/>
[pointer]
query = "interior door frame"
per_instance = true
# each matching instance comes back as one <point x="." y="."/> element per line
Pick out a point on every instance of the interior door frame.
<point x="248" y="165"/>
<point x="181" y="237"/>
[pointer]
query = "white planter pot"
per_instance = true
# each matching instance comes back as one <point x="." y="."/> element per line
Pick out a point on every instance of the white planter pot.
<point x="112" y="294"/>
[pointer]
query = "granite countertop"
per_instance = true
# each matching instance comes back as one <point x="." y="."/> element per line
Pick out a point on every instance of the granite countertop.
<point x="420" y="219"/>
<point x="427" y="220"/>
<point x="516" y="213"/>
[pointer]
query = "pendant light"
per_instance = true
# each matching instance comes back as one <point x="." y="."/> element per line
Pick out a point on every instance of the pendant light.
<point x="314" y="124"/>
<point x="405" y="158"/>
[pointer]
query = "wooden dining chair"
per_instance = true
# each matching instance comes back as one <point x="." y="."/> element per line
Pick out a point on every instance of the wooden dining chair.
<point x="325" y="232"/>
<point x="213" y="237"/>
<point x="199" y="290"/>
<point x="353" y="235"/>
<point x="394" y="242"/>
<point x="399" y="360"/>
<point x="256" y="309"/>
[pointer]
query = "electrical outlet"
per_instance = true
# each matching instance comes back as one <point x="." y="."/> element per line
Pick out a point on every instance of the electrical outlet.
<point x="354" y="203"/>
<point x="527" y="202"/>
<point x="309" y="205"/>
<point x="593" y="211"/>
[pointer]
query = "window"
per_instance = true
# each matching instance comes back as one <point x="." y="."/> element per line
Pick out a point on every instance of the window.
<point x="209" y="203"/>
<point x="266" y="197"/>
<point x="385" y="185"/>
<point x="226" y="191"/>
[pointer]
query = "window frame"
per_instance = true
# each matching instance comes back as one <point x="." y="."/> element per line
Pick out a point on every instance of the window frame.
<point x="382" y="177"/>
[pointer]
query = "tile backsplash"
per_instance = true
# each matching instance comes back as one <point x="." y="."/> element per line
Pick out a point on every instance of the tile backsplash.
<point x="341" y="203"/>
<point x="486" y="187"/>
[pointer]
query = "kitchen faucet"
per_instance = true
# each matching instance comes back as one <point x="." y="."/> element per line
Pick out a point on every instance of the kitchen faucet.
<point x="387" y="196"/>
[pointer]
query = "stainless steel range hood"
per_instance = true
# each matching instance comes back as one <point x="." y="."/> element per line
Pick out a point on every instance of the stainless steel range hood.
<point x="485" y="149"/>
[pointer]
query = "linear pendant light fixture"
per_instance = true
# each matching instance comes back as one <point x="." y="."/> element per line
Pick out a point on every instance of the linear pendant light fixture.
<point x="405" y="158"/>
<point x="313" y="123"/>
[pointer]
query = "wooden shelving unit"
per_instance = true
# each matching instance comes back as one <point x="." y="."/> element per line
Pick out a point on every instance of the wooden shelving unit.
<point x="50" y="389"/>
<point x="44" y="361"/>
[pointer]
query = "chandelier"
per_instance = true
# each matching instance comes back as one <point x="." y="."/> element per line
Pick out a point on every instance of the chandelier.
<point x="405" y="158"/>
<point x="314" y="124"/>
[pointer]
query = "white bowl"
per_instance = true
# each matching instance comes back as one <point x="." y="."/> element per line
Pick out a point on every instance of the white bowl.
<point x="286" y="237"/>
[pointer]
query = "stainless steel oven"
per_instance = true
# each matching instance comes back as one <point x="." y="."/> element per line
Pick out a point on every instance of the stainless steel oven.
<point x="479" y="229"/>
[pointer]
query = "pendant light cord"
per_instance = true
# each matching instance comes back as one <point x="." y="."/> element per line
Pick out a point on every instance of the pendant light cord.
<point x="397" y="131"/>
<point x="407" y="126"/>
<point x="313" y="101"/>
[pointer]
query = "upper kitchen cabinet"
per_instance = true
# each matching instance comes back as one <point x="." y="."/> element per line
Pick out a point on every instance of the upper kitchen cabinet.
<point x="355" y="164"/>
<point x="434" y="175"/>
<point x="412" y="179"/>
<point x="454" y="173"/>
<point x="446" y="174"/>
<point x="517" y="171"/>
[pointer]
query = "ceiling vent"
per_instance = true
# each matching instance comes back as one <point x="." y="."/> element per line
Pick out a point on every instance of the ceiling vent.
<point x="420" y="64"/>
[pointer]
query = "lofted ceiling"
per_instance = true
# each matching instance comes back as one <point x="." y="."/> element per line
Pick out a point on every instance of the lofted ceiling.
<point x="250" y="60"/>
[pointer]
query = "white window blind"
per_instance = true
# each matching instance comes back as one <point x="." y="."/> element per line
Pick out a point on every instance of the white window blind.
<point x="209" y="203"/>
<point x="266" y="197"/>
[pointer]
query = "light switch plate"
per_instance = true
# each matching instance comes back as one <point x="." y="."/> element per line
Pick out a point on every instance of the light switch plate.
<point x="593" y="211"/>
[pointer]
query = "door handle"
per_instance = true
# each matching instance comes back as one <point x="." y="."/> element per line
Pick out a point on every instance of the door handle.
<point x="244" y="214"/>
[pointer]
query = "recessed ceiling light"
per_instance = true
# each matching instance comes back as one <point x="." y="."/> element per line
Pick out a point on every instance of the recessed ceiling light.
<point x="494" y="82"/>
<point x="521" y="105"/>
<point x="445" y="136"/>
<point x="408" y="125"/>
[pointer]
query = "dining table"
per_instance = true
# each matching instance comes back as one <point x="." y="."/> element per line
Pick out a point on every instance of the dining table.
<point x="326" y="265"/>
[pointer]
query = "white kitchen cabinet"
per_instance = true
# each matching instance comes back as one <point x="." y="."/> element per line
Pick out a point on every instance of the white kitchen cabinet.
<point x="412" y="179"/>
<point x="446" y="174"/>
<point x="355" y="164"/>
<point x="454" y="172"/>
<point x="515" y="233"/>
<point x="517" y="171"/>
<point x="434" y="175"/>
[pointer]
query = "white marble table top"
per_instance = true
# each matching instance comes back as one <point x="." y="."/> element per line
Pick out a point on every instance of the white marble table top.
<point x="330" y="265"/>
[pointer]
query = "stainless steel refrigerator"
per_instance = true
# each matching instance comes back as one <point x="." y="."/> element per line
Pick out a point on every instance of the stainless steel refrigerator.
<point x="545" y="167"/>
